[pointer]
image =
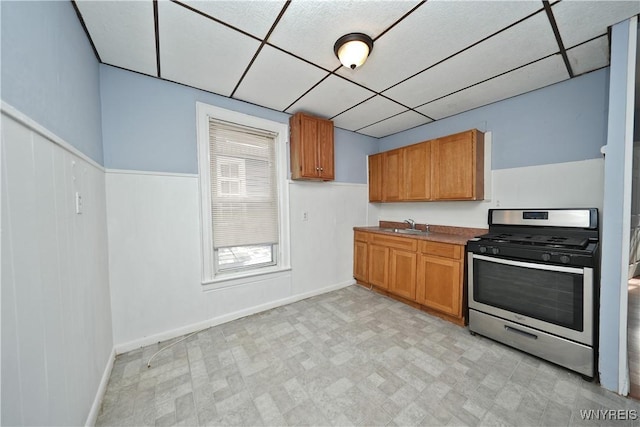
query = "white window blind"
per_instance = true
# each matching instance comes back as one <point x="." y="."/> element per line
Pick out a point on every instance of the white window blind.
<point x="244" y="186"/>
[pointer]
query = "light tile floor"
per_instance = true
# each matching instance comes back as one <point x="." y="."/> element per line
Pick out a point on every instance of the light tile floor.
<point x="349" y="357"/>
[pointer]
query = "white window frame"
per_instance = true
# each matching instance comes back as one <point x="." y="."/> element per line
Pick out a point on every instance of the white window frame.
<point x="210" y="277"/>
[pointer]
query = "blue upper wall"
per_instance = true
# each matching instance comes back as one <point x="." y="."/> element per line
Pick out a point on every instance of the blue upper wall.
<point x="50" y="73"/>
<point x="560" y="123"/>
<point x="150" y="125"/>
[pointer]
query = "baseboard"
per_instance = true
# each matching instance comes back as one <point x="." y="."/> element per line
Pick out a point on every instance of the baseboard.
<point x="174" y="333"/>
<point x="102" y="388"/>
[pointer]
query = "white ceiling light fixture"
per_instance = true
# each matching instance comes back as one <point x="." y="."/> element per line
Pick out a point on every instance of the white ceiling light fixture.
<point x="353" y="49"/>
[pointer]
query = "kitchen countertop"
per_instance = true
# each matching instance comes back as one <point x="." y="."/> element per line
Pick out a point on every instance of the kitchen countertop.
<point x="438" y="233"/>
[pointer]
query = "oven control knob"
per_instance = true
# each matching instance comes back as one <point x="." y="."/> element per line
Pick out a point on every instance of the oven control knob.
<point x="495" y="251"/>
<point x="483" y="249"/>
<point x="546" y="257"/>
<point x="564" y="259"/>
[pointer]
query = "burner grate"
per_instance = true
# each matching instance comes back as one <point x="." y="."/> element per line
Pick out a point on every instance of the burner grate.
<point x="538" y="240"/>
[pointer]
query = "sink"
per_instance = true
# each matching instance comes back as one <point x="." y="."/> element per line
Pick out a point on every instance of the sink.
<point x="408" y="231"/>
<point x="405" y="231"/>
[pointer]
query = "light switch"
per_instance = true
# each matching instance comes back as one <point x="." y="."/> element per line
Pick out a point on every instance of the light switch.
<point x="78" y="203"/>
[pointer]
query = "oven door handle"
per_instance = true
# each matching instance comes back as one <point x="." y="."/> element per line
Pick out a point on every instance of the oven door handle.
<point x="519" y="332"/>
<point x="530" y="264"/>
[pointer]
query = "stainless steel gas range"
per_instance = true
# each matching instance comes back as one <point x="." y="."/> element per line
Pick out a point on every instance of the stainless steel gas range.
<point x="533" y="283"/>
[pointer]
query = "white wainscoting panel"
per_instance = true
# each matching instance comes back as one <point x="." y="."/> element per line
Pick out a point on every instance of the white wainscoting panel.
<point x="559" y="185"/>
<point x="155" y="260"/>
<point x="322" y="246"/>
<point x="56" y="315"/>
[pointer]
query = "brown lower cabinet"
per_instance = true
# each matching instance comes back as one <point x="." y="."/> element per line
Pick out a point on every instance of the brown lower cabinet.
<point x="440" y="277"/>
<point x="402" y="277"/>
<point x="378" y="266"/>
<point x="424" y="273"/>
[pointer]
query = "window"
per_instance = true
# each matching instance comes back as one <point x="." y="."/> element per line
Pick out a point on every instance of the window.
<point x="243" y="194"/>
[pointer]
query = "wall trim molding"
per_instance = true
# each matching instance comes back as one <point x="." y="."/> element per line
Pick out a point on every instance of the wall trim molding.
<point x="97" y="401"/>
<point x="215" y="321"/>
<point x="30" y="123"/>
<point x="151" y="173"/>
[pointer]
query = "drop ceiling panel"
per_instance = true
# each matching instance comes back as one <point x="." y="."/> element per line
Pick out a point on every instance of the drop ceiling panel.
<point x="309" y="29"/>
<point x="367" y="113"/>
<point x="254" y="17"/>
<point x="276" y="79"/>
<point x="531" y="77"/>
<point x="199" y="52"/>
<point x="503" y="52"/>
<point x="579" y="21"/>
<point x="402" y="121"/>
<point x="123" y="33"/>
<point x="331" y="97"/>
<point x="589" y="56"/>
<point x="433" y="32"/>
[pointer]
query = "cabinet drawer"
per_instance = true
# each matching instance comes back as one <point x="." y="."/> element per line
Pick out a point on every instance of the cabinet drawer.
<point x="361" y="236"/>
<point x="445" y="250"/>
<point x="394" y="242"/>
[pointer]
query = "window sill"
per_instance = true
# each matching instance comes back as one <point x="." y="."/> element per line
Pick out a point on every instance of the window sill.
<point x="238" y="279"/>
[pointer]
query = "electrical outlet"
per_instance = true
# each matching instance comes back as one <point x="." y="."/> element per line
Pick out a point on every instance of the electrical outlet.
<point x="78" y="203"/>
<point x="305" y="216"/>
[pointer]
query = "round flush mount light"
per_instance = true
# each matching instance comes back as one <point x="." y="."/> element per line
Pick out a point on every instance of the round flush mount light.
<point x="353" y="49"/>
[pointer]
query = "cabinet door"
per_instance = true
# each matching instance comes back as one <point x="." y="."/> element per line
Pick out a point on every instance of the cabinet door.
<point x="360" y="268"/>
<point x="402" y="273"/>
<point x="439" y="284"/>
<point x="392" y="175"/>
<point x="458" y="167"/>
<point x="417" y="171"/>
<point x="325" y="149"/>
<point x="378" y="265"/>
<point x="308" y="147"/>
<point x="375" y="177"/>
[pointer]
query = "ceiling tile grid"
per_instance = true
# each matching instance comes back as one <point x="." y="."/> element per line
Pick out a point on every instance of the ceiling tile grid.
<point x="579" y="21"/>
<point x="199" y="52"/>
<point x="525" y="79"/>
<point x="276" y="79"/>
<point x="331" y="97"/>
<point x="394" y="124"/>
<point x="589" y="56"/>
<point x="233" y="12"/>
<point x="369" y="112"/>
<point x="435" y="58"/>
<point x="309" y="29"/>
<point x="433" y="32"/>
<point x="123" y="33"/>
<point x="501" y="53"/>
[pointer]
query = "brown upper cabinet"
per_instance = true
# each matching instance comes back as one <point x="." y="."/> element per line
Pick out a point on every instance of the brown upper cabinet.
<point x="448" y="168"/>
<point x="458" y="166"/>
<point x="375" y="177"/>
<point x="393" y="176"/>
<point x="311" y="148"/>
<point x="417" y="171"/>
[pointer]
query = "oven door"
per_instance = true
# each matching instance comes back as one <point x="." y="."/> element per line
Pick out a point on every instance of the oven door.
<point x="550" y="298"/>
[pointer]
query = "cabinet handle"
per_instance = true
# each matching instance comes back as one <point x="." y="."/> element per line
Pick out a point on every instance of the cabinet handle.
<point x="321" y="169"/>
<point x="317" y="169"/>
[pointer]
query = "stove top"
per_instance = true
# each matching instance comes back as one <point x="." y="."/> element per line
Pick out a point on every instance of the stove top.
<point x="553" y="241"/>
<point x="552" y="236"/>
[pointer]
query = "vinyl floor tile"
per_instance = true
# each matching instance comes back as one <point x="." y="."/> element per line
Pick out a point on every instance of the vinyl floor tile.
<point x="349" y="357"/>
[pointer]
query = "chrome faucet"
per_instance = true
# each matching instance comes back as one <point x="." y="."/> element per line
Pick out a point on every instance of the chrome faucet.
<point x="412" y="223"/>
